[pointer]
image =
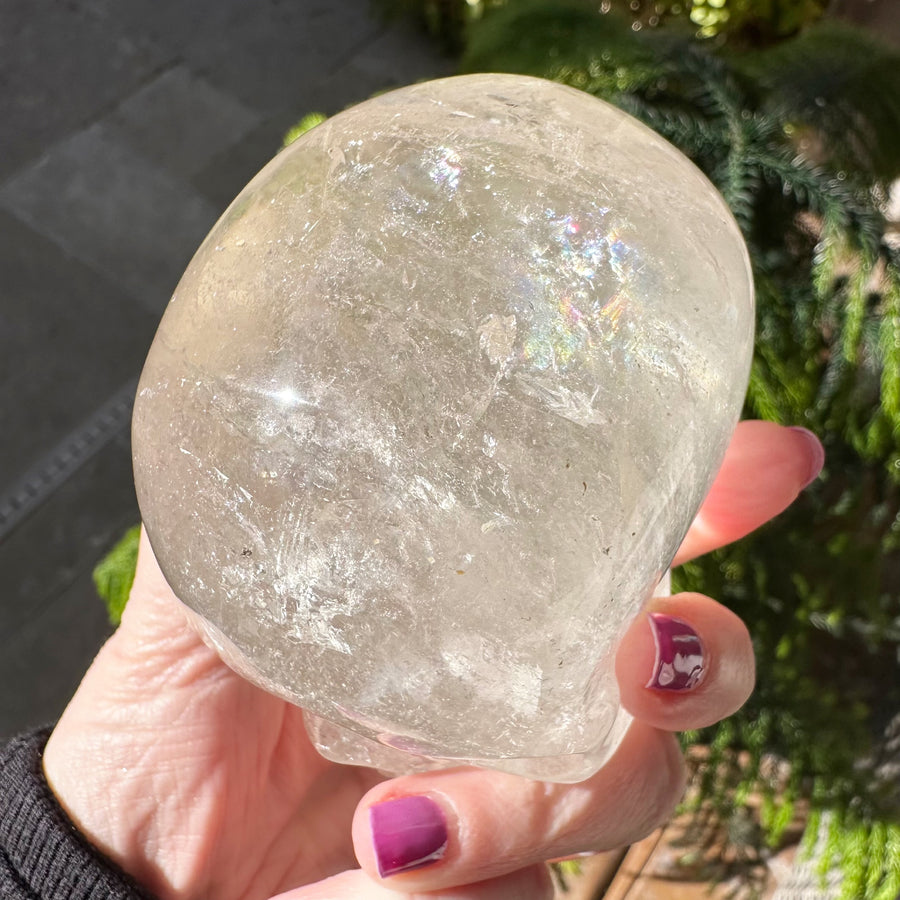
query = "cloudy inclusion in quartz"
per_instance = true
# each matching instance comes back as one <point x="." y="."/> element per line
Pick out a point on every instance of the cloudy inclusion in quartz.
<point x="431" y="410"/>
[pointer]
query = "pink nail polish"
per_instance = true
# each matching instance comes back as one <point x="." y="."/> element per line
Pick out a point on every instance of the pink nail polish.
<point x="817" y="453"/>
<point x="407" y="834"/>
<point x="680" y="660"/>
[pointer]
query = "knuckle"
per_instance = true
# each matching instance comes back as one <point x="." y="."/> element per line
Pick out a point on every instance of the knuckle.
<point x="643" y="800"/>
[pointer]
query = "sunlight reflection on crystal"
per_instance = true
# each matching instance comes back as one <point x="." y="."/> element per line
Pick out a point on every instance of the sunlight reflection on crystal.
<point x="286" y="396"/>
<point x="445" y="167"/>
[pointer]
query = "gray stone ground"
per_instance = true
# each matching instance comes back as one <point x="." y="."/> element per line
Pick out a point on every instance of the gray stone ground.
<point x="126" y="127"/>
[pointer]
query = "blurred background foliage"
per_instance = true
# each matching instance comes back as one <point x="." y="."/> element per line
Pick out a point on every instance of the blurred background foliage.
<point x="748" y="22"/>
<point x="795" y="117"/>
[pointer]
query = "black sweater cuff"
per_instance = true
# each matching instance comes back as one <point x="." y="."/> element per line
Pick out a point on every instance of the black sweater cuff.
<point x="42" y="854"/>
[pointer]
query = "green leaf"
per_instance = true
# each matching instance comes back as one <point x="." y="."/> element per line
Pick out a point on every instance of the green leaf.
<point x="114" y="574"/>
<point x="307" y="123"/>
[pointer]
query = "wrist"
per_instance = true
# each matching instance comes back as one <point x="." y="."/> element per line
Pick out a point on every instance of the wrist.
<point x="41" y="854"/>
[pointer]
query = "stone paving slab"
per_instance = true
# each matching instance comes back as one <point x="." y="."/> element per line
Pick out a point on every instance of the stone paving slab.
<point x="232" y="166"/>
<point x="51" y="620"/>
<point x="276" y="61"/>
<point x="68" y="338"/>
<point x="391" y="60"/>
<point x="179" y="121"/>
<point x="113" y="209"/>
<point x="172" y="25"/>
<point x="42" y="667"/>
<point x="58" y="68"/>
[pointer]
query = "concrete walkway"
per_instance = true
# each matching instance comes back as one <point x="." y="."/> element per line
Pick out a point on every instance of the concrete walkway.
<point x="126" y="127"/>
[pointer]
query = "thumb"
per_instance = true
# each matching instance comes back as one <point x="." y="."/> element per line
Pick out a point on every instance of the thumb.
<point x="532" y="883"/>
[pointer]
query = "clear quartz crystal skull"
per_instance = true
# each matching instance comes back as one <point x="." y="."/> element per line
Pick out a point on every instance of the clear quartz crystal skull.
<point x="431" y="410"/>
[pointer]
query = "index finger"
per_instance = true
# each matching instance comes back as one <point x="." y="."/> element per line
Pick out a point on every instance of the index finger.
<point x="765" y="468"/>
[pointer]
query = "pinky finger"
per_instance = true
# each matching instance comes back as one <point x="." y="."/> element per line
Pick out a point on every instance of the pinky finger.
<point x="531" y="883"/>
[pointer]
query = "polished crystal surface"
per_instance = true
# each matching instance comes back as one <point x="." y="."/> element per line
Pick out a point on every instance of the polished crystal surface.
<point x="431" y="410"/>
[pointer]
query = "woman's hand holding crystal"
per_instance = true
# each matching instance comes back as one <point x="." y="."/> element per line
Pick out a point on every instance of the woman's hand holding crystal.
<point x="201" y="785"/>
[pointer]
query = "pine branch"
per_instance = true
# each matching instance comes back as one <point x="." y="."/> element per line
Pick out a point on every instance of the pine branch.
<point x="694" y="133"/>
<point x="837" y="201"/>
<point x="889" y="347"/>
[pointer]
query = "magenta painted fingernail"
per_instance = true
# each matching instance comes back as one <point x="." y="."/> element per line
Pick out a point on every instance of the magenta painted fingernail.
<point x="817" y="454"/>
<point x="407" y="834"/>
<point x="680" y="662"/>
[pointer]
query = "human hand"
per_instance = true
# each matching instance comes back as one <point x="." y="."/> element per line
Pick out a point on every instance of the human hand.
<point x="199" y="784"/>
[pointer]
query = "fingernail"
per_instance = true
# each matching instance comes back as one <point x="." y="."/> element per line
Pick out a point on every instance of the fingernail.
<point x="407" y="834"/>
<point x="680" y="663"/>
<point x="817" y="453"/>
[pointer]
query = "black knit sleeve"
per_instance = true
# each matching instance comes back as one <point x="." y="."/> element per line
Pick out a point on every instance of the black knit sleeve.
<point x="42" y="855"/>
